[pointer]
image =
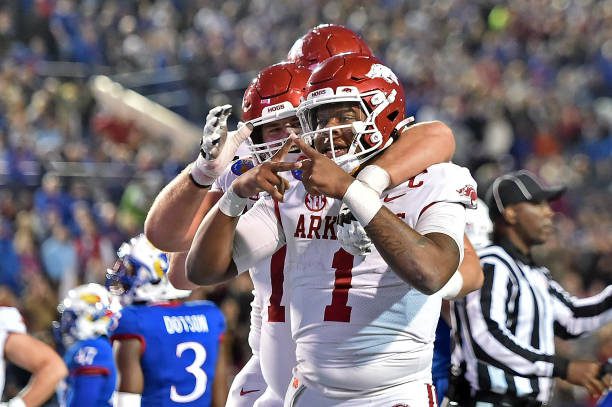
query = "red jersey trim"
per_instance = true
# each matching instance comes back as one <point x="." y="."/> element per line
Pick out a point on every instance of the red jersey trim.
<point x="90" y="371"/>
<point x="124" y="337"/>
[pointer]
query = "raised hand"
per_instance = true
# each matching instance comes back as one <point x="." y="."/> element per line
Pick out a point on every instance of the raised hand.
<point x="217" y="146"/>
<point x="587" y="375"/>
<point x="264" y="177"/>
<point x="320" y="175"/>
<point x="351" y="235"/>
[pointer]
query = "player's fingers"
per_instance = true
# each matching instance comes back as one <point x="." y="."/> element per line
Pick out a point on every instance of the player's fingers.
<point x="597" y="386"/>
<point x="274" y="187"/>
<point x="284" y="166"/>
<point x="243" y="132"/>
<point x="283" y="151"/>
<point x="215" y="112"/>
<point x="226" y="110"/>
<point x="306" y="149"/>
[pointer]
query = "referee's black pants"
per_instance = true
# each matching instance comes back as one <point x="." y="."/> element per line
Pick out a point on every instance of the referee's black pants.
<point x="488" y="399"/>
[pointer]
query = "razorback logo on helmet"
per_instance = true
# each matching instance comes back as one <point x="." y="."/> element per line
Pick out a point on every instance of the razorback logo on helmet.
<point x="470" y="192"/>
<point x="315" y="203"/>
<point x="381" y="71"/>
<point x="347" y="89"/>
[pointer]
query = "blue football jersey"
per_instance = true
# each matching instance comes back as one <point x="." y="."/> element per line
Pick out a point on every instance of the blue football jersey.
<point x="441" y="358"/>
<point x="93" y="375"/>
<point x="180" y="344"/>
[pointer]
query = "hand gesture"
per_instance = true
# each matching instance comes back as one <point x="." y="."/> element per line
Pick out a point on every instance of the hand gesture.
<point x="264" y="177"/>
<point x="351" y="235"/>
<point x="320" y="175"/>
<point x="218" y="146"/>
<point x="586" y="374"/>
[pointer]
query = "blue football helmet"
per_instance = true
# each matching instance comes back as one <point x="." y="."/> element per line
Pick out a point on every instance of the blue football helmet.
<point x="139" y="275"/>
<point x="87" y="312"/>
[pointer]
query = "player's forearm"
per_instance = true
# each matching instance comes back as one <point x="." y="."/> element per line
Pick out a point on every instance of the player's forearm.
<point x="418" y="147"/>
<point x="209" y="260"/>
<point x="470" y="270"/>
<point x="415" y="258"/>
<point x="43" y="382"/>
<point x="174" y="215"/>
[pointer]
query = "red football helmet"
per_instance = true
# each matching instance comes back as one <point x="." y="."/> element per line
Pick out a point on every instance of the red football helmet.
<point x="324" y="41"/>
<point x="273" y="95"/>
<point x="369" y="83"/>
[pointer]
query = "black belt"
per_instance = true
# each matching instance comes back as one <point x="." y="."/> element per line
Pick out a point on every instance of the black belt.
<point x="504" y="400"/>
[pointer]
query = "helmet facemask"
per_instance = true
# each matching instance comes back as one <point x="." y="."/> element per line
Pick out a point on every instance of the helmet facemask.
<point x="261" y="150"/>
<point x="367" y="139"/>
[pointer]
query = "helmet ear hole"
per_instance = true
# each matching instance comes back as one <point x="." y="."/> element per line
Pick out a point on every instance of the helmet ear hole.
<point x="256" y="135"/>
<point x="392" y="115"/>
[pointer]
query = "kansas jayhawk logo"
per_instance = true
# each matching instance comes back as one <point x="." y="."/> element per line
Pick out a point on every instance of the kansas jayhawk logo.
<point x="241" y="166"/>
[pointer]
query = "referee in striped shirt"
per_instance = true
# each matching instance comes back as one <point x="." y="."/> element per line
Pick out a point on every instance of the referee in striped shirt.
<point x="505" y="331"/>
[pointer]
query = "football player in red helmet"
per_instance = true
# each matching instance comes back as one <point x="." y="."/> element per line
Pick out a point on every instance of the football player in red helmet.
<point x="325" y="41"/>
<point x="418" y="146"/>
<point x="270" y="105"/>
<point x="353" y="318"/>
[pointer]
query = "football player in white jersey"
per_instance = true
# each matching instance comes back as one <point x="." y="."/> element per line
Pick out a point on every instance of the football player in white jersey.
<point x="426" y="144"/>
<point x="363" y="326"/>
<point x="46" y="367"/>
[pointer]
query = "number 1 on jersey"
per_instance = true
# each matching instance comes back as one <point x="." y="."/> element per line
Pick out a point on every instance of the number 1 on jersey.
<point x="338" y="310"/>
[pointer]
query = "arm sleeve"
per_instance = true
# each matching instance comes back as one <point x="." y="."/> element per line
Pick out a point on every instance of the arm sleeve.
<point x="575" y="317"/>
<point x="444" y="217"/>
<point x="255" y="329"/>
<point x="86" y="388"/>
<point x="259" y="235"/>
<point x="11" y="320"/>
<point x="128" y="327"/>
<point x="488" y="323"/>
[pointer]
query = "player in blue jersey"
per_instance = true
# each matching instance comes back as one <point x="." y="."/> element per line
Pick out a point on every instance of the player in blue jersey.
<point x="168" y="352"/>
<point x="86" y="317"/>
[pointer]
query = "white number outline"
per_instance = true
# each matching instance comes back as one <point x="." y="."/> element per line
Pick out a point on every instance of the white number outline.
<point x="195" y="369"/>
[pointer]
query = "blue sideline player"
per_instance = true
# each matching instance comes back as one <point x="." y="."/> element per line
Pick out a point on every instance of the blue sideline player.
<point x="86" y="315"/>
<point x="168" y="351"/>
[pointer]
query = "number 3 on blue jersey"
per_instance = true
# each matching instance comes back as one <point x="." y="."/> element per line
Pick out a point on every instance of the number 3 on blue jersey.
<point x="195" y="369"/>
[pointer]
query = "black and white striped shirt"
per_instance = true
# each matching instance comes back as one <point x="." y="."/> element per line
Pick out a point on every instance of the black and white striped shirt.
<point x="505" y="331"/>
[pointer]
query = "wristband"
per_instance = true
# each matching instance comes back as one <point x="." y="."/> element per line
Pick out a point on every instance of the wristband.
<point x="198" y="176"/>
<point x="16" y="402"/>
<point x="128" y="399"/>
<point x="231" y="204"/>
<point x="375" y="177"/>
<point x="196" y="184"/>
<point x="452" y="287"/>
<point x="560" y="366"/>
<point x="363" y="202"/>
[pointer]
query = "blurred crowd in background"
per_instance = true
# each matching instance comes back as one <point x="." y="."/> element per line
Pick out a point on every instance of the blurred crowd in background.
<point x="523" y="85"/>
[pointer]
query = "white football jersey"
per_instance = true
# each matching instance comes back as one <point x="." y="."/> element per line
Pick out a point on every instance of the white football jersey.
<point x="358" y="327"/>
<point x="270" y="333"/>
<point x="10" y="322"/>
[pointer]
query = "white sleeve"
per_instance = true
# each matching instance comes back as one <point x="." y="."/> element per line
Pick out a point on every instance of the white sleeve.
<point x="11" y="320"/>
<point x="123" y="399"/>
<point x="444" y="217"/>
<point x="258" y="236"/>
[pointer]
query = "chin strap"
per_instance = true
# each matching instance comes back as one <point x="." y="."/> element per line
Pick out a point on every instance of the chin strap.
<point x="404" y="123"/>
